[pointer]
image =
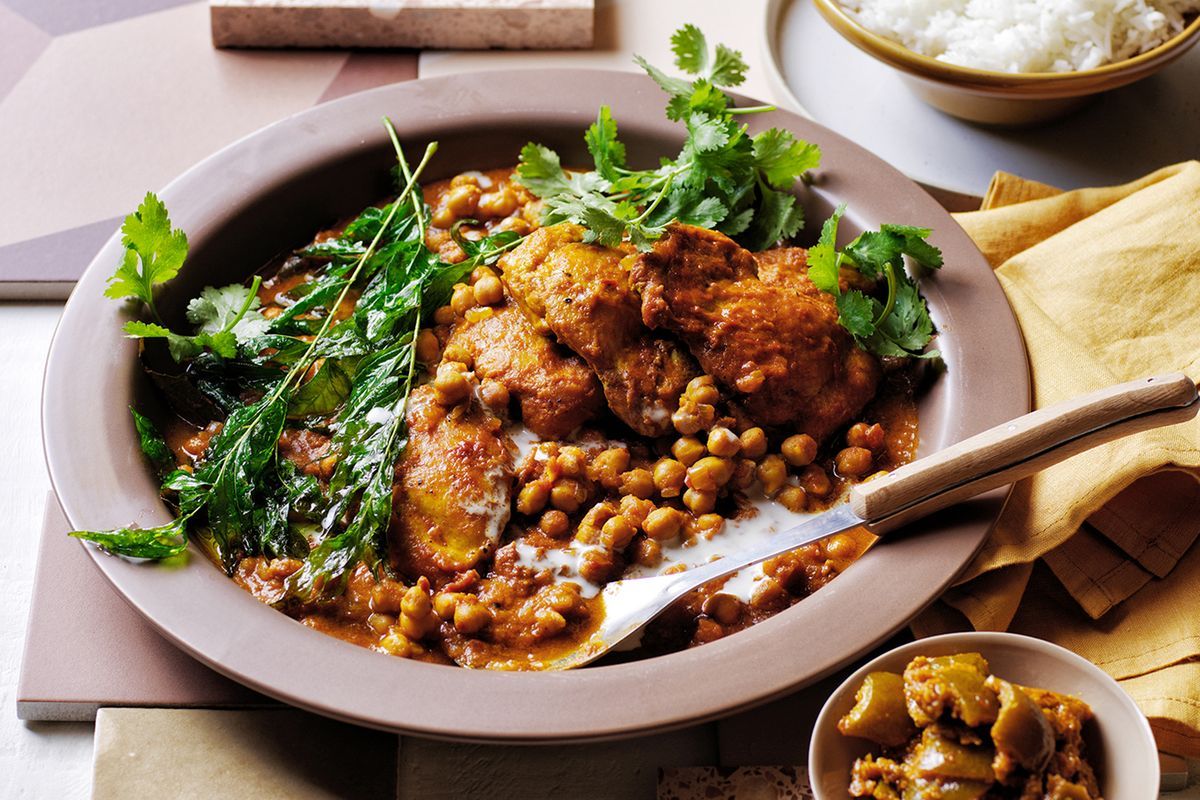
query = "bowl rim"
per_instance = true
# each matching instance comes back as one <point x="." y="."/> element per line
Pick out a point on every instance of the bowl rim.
<point x="84" y="442"/>
<point x="901" y="57"/>
<point x="980" y="641"/>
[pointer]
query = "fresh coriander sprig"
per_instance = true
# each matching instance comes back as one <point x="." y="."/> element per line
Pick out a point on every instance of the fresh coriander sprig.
<point x="723" y="178"/>
<point x="900" y="325"/>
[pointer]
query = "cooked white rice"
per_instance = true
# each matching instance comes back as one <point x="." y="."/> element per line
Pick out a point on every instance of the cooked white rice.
<point x="1025" y="35"/>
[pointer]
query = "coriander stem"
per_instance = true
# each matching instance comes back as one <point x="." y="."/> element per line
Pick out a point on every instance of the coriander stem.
<point x="416" y="205"/>
<point x="891" y="296"/>
<point x="250" y="295"/>
<point x="750" y="110"/>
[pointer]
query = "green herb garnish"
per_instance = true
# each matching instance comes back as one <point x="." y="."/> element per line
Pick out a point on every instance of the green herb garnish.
<point x="899" y="326"/>
<point x="723" y="178"/>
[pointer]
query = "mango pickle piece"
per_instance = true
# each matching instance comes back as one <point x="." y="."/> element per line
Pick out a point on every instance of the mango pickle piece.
<point x="924" y="789"/>
<point x="938" y="756"/>
<point x="880" y="712"/>
<point x="950" y="684"/>
<point x="1021" y="733"/>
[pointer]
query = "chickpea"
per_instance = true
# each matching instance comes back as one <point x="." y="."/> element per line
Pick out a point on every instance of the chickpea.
<point x="444" y="315"/>
<point x="517" y="224"/>
<point x="463" y="299"/>
<point x="461" y="201"/>
<point x="451" y="385"/>
<point x="687" y="450"/>
<point x="662" y="524"/>
<point x="723" y="442"/>
<point x="488" y="291"/>
<point x="429" y="350"/>
<point x="687" y="420"/>
<point x="572" y="460"/>
<point x="567" y="495"/>
<point x="799" y="450"/>
<point x="480" y="272"/>
<point x="533" y="498"/>
<point x="841" y="547"/>
<point x="548" y="622"/>
<point x="396" y="644"/>
<point x="466" y="179"/>
<point x="597" y="515"/>
<point x="415" y="627"/>
<point x="495" y="396"/>
<point x="471" y="616"/>
<point x="271" y="312"/>
<point x="754" y="443"/>
<point x="387" y="597"/>
<point x="702" y="391"/>
<point x="647" y="552"/>
<point x="617" y="533"/>
<point x="751" y="382"/>
<point x="416" y="602"/>
<point x="554" y="523"/>
<point x="607" y="466"/>
<point x="562" y="597"/>
<point x="767" y="593"/>
<point x="745" y="472"/>
<point x="635" y="509"/>
<point x="637" y="482"/>
<point x="381" y="622"/>
<point x="710" y="524"/>
<point x="772" y="473"/>
<point x="700" y="502"/>
<point x="669" y="475"/>
<point x="444" y="604"/>
<point x="724" y="608"/>
<point x="709" y="474"/>
<point x="793" y="498"/>
<point x="497" y="204"/>
<point x="853" y="462"/>
<point x="815" y="481"/>
<point x="596" y="566"/>
<point x="459" y="354"/>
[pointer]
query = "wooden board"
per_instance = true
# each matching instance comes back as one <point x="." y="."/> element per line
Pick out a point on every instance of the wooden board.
<point x="453" y="24"/>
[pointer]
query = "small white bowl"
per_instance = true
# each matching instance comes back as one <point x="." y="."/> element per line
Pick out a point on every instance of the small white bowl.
<point x="1120" y="744"/>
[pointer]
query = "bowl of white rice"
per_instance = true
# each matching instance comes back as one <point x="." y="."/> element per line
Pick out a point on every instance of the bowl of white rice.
<point x="1017" y="62"/>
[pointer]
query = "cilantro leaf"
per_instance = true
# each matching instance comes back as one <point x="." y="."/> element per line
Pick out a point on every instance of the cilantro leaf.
<point x="231" y="308"/>
<point x="729" y="68"/>
<point x="783" y="158"/>
<point x="823" y="257"/>
<point x="722" y="176"/>
<point x="223" y="343"/>
<point x="690" y="49"/>
<point x="154" y="252"/>
<point x="607" y="151"/>
<point x="900" y="327"/>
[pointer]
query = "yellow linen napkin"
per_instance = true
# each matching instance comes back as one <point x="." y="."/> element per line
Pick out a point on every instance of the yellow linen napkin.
<point x="1105" y="284"/>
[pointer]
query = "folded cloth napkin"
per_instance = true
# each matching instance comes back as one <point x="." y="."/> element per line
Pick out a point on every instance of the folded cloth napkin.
<point x="1097" y="552"/>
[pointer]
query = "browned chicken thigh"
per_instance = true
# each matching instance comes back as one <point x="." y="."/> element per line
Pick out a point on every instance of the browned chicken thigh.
<point x="554" y="389"/>
<point x="582" y="293"/>
<point x="453" y="487"/>
<point x="776" y="343"/>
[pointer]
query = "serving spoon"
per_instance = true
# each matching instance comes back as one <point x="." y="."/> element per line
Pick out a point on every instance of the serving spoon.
<point x="996" y="457"/>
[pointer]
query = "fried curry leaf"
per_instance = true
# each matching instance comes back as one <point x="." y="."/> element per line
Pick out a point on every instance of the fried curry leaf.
<point x="722" y="177"/>
<point x="152" y="443"/>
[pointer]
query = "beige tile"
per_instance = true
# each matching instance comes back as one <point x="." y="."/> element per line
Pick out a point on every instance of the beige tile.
<point x="107" y="113"/>
<point x="238" y="755"/>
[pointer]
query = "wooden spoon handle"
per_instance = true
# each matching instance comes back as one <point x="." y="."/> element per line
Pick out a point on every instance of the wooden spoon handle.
<point x="1014" y="450"/>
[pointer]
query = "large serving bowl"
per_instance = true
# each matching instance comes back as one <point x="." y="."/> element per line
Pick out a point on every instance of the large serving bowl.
<point x="1003" y="98"/>
<point x="272" y="190"/>
<point x="1119" y="740"/>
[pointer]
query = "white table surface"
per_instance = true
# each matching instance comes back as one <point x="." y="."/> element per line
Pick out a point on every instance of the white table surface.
<point x="37" y="760"/>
